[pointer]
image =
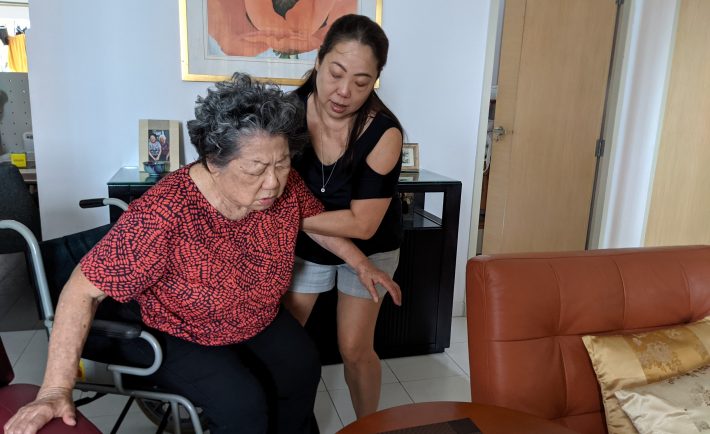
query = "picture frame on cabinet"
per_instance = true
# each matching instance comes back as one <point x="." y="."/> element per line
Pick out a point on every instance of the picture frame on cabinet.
<point x="159" y="140"/>
<point x="410" y="157"/>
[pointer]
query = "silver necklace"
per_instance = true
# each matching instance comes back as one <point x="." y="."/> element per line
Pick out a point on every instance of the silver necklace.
<point x="324" y="182"/>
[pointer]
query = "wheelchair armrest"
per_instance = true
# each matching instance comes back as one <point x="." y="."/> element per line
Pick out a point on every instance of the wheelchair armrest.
<point x="115" y="329"/>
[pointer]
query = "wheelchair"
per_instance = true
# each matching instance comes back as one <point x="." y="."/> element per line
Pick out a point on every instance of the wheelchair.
<point x="114" y="334"/>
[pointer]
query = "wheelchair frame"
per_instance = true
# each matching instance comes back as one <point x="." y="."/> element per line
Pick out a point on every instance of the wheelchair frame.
<point x="111" y="329"/>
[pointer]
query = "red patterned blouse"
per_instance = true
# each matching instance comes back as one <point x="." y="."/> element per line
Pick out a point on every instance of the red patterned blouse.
<point x="196" y="274"/>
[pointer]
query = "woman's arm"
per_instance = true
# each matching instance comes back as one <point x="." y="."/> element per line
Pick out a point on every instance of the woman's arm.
<point x="366" y="271"/>
<point x="364" y="216"/>
<point x="75" y="311"/>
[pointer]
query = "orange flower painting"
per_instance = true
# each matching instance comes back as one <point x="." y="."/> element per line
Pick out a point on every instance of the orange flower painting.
<point x="271" y="28"/>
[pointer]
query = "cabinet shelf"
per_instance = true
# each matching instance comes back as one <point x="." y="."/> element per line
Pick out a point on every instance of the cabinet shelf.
<point x="419" y="219"/>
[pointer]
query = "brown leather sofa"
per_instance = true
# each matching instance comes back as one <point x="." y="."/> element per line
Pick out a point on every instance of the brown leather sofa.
<point x="527" y="313"/>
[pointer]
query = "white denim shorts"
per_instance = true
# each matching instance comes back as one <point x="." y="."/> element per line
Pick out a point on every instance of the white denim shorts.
<point x="312" y="278"/>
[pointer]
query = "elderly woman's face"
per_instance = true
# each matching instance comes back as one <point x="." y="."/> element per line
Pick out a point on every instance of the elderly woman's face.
<point x="258" y="176"/>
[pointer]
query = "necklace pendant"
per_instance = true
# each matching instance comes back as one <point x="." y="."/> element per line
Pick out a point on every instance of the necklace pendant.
<point x="322" y="190"/>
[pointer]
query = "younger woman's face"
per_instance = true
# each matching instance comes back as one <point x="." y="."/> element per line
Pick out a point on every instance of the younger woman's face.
<point x="346" y="77"/>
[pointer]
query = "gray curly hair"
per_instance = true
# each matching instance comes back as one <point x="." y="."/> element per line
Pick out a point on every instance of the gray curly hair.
<point x="240" y="108"/>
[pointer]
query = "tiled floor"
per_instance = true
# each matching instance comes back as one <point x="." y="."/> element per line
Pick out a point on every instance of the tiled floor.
<point x="435" y="377"/>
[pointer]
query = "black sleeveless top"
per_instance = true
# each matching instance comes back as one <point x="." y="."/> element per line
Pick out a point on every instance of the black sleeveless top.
<point x="352" y="178"/>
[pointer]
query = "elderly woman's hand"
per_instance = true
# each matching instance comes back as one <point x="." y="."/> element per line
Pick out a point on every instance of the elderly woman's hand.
<point x="370" y="276"/>
<point x="50" y="403"/>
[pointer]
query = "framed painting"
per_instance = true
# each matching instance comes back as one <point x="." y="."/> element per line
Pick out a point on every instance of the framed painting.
<point x="273" y="40"/>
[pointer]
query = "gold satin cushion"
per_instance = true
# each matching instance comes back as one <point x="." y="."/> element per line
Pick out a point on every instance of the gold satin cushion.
<point x="676" y="405"/>
<point x="624" y="361"/>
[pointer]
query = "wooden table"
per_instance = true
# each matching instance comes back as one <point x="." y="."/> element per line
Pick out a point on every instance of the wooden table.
<point x="489" y="419"/>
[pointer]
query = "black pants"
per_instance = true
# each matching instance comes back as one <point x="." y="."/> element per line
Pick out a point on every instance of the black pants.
<point x="266" y="384"/>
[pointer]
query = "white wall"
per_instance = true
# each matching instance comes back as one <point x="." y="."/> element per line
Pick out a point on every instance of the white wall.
<point x="433" y="82"/>
<point x="634" y="143"/>
<point x="96" y="67"/>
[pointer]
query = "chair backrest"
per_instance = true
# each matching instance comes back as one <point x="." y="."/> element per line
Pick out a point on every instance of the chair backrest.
<point x="61" y="255"/>
<point x="6" y="373"/>
<point x="527" y="313"/>
<point x="16" y="203"/>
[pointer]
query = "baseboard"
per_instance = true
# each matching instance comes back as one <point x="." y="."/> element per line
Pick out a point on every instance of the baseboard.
<point x="458" y="309"/>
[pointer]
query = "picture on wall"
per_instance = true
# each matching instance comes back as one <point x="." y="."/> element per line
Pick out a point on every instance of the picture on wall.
<point x="272" y="40"/>
<point x="159" y="141"/>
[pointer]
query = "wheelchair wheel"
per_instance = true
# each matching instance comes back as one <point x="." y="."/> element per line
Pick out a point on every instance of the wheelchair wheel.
<point x="155" y="410"/>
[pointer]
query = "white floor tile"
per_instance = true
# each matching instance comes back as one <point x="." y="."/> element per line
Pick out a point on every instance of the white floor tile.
<point x="109" y="405"/>
<point x="321" y="386"/>
<point x="388" y="376"/>
<point x="134" y="423"/>
<point x="439" y="389"/>
<point x="391" y="395"/>
<point x="459" y="332"/>
<point x="459" y="352"/>
<point x="29" y="368"/>
<point x="37" y="347"/>
<point x="343" y="405"/>
<point x="334" y="377"/>
<point x="22" y="315"/>
<point x="15" y="343"/>
<point x="424" y="367"/>
<point x="326" y="415"/>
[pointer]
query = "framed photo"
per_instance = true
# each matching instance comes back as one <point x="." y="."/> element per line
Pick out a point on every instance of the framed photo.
<point x="159" y="140"/>
<point x="410" y="157"/>
<point x="269" y="40"/>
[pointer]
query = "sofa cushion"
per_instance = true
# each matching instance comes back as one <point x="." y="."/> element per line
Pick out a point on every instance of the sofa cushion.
<point x="677" y="405"/>
<point x="628" y="360"/>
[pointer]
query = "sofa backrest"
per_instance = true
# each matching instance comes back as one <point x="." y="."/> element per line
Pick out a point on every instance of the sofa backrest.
<point x="527" y="313"/>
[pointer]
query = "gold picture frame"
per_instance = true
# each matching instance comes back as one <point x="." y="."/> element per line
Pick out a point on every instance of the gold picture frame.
<point x="159" y="140"/>
<point x="204" y="59"/>
<point x="410" y="157"/>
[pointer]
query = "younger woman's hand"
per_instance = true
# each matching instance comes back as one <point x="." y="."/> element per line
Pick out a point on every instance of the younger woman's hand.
<point x="370" y="276"/>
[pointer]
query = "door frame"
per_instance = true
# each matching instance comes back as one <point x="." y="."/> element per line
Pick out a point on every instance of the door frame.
<point x="493" y="19"/>
<point x="610" y="122"/>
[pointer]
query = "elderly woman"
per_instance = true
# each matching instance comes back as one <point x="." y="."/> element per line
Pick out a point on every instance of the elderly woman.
<point x="207" y="254"/>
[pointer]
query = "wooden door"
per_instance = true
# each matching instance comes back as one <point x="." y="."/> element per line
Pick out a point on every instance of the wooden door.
<point x="679" y="212"/>
<point x="552" y="82"/>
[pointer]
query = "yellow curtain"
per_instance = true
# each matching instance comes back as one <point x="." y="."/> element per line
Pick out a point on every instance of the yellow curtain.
<point x="17" y="57"/>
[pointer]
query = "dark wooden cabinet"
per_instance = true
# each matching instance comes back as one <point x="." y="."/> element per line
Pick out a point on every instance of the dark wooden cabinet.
<point x="426" y="270"/>
<point x="427" y="266"/>
<point x="127" y="184"/>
